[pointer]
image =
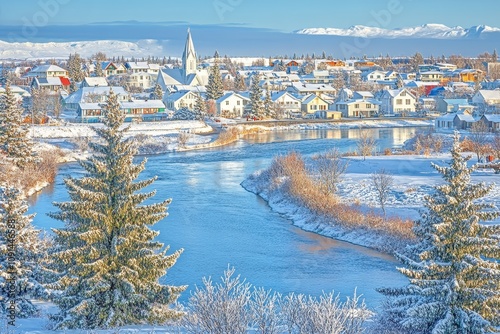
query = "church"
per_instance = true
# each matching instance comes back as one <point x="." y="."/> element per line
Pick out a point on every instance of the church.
<point x="188" y="74"/>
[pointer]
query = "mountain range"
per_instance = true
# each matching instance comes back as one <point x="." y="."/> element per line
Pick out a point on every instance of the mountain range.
<point x="143" y="39"/>
<point x="439" y="31"/>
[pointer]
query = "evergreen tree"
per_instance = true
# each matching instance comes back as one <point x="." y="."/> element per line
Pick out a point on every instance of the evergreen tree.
<point x="21" y="254"/>
<point x="98" y="72"/>
<point x="75" y="71"/>
<point x="268" y="103"/>
<point x="239" y="82"/>
<point x="14" y="141"/>
<point x="108" y="261"/>
<point x="454" y="268"/>
<point x="215" y="87"/>
<point x="200" y="106"/>
<point x="157" y="93"/>
<point x="256" y="103"/>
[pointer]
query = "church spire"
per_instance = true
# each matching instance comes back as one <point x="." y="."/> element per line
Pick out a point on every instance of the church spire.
<point x="189" y="61"/>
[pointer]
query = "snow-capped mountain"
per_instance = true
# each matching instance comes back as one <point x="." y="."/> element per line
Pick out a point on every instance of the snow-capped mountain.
<point x="438" y="31"/>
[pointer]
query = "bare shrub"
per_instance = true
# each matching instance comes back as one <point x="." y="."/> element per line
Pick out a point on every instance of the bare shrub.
<point x="219" y="308"/>
<point x="382" y="182"/>
<point x="330" y="168"/>
<point x="366" y="143"/>
<point x="230" y="307"/>
<point x="182" y="139"/>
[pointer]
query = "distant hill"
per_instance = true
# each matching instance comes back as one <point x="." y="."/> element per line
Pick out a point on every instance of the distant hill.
<point x="439" y="31"/>
<point x="167" y="39"/>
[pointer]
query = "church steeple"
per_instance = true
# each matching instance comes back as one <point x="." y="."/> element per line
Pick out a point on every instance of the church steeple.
<point x="189" y="61"/>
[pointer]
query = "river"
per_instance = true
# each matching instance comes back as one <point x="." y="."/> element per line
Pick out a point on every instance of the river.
<point x="219" y="224"/>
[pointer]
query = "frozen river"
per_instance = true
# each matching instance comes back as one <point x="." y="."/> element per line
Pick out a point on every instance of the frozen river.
<point x="218" y="223"/>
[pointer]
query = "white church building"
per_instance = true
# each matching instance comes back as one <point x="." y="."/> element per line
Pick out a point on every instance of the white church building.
<point x="189" y="74"/>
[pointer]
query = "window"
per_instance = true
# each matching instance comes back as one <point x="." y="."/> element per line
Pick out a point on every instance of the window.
<point x="238" y="102"/>
<point x="408" y="102"/>
<point x="399" y="101"/>
<point x="356" y="105"/>
<point x="403" y="93"/>
<point x="227" y="103"/>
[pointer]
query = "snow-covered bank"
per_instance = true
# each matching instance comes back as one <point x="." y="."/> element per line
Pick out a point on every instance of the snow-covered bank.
<point x="75" y="130"/>
<point x="414" y="179"/>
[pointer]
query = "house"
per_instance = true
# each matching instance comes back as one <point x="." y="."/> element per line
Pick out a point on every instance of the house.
<point x="231" y="104"/>
<point x="93" y="95"/>
<point x="55" y="84"/>
<point x="430" y="76"/>
<point x="301" y="88"/>
<point x="397" y="101"/>
<point x="288" y="103"/>
<point x="45" y="71"/>
<point x="455" y="121"/>
<point x="133" y="110"/>
<point x="137" y="67"/>
<point x="374" y="76"/>
<point x="487" y="100"/>
<point x="181" y="99"/>
<point x="94" y="82"/>
<point x="356" y="108"/>
<point x="449" y="105"/>
<point x="311" y="104"/>
<point x="328" y="114"/>
<point x="491" y="121"/>
<point x="109" y="68"/>
<point x="142" y="80"/>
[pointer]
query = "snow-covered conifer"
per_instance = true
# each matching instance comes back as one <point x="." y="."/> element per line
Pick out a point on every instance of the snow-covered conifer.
<point x="256" y="102"/>
<point x="109" y="262"/>
<point x="215" y="86"/>
<point x="157" y="92"/>
<point x="14" y="141"/>
<point x="200" y="106"/>
<point x="454" y="269"/>
<point x="22" y="251"/>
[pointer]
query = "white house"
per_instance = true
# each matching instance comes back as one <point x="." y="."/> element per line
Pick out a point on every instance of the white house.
<point x="181" y="99"/>
<point x="45" y="71"/>
<point x="141" y="80"/>
<point x="94" y="95"/>
<point x="313" y="104"/>
<point x="94" y="82"/>
<point x="288" y="103"/>
<point x="487" y="100"/>
<point x="397" y="101"/>
<point x="304" y="89"/>
<point x="231" y="105"/>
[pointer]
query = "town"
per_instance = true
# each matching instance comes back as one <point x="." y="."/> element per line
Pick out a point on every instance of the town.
<point x="456" y="91"/>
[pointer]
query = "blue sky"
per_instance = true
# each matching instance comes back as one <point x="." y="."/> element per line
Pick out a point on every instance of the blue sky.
<point x="281" y="15"/>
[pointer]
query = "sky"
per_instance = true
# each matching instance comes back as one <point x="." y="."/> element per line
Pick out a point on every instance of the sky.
<point x="284" y="16"/>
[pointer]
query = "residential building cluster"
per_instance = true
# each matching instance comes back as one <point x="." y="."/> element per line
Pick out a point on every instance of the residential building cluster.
<point x="290" y="88"/>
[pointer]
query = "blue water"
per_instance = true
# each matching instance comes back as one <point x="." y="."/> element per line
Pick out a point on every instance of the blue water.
<point x="219" y="224"/>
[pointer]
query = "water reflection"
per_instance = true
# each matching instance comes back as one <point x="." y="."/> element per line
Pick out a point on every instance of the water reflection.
<point x="218" y="223"/>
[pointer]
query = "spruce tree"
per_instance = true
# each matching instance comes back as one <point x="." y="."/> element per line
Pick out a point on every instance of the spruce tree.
<point x="98" y="72"/>
<point x="157" y="93"/>
<point x="268" y="103"/>
<point x="454" y="268"/>
<point x="22" y="251"/>
<point x="200" y="106"/>
<point x="14" y="141"/>
<point x="256" y="102"/>
<point x="239" y="82"/>
<point x="215" y="87"/>
<point x="109" y="262"/>
<point x="75" y="71"/>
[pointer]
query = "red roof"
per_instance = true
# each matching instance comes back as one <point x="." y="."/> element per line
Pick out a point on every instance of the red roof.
<point x="65" y="81"/>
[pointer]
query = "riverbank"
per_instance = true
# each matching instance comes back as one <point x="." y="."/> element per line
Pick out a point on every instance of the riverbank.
<point x="414" y="179"/>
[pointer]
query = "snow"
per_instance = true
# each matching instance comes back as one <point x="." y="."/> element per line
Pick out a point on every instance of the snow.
<point x="414" y="178"/>
<point x="431" y="30"/>
<point x="23" y="50"/>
